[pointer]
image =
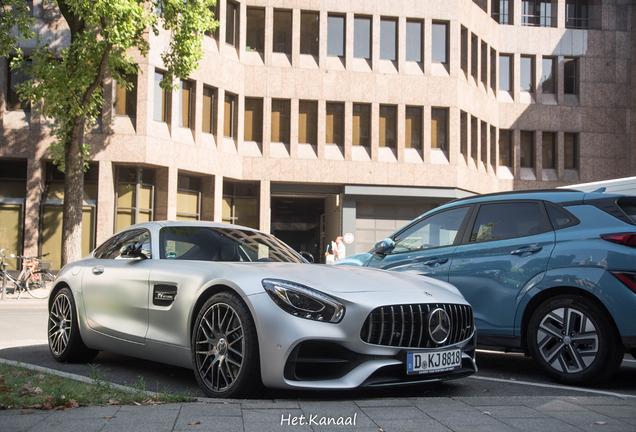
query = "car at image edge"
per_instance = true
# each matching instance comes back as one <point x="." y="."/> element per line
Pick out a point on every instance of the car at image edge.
<point x="550" y="272"/>
<point x="240" y="308"/>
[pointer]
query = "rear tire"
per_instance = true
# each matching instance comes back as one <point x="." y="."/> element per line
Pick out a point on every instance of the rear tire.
<point x="65" y="341"/>
<point x="40" y="288"/>
<point x="574" y="341"/>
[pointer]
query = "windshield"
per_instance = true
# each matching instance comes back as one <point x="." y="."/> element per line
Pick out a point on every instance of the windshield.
<point x="222" y="244"/>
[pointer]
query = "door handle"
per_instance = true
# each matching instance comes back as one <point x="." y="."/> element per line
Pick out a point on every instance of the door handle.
<point x="436" y="262"/>
<point x="98" y="270"/>
<point x="526" y="249"/>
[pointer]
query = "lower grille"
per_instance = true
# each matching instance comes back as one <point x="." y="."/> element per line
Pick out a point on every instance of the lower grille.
<point x="407" y="325"/>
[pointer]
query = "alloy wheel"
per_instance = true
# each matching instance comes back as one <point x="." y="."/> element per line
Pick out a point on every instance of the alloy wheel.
<point x="60" y="323"/>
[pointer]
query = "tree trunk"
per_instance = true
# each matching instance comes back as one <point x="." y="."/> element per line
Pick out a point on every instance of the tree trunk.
<point x="73" y="194"/>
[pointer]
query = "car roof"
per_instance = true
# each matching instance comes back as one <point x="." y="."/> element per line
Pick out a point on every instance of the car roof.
<point x="181" y="223"/>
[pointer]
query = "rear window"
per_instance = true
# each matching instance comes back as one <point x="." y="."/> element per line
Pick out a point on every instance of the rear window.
<point x="560" y="217"/>
<point x="628" y="205"/>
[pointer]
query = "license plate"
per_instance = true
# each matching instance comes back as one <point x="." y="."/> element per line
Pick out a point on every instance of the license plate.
<point x="429" y="362"/>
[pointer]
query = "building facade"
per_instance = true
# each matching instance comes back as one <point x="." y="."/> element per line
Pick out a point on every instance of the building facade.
<point x="311" y="119"/>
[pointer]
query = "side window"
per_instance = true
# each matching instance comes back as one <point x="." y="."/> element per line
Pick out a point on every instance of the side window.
<point x="508" y="220"/>
<point x="560" y="217"/>
<point x="114" y="249"/>
<point x="437" y="230"/>
<point x="106" y="249"/>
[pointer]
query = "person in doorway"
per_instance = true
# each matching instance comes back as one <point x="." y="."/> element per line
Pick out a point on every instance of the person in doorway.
<point x="339" y="251"/>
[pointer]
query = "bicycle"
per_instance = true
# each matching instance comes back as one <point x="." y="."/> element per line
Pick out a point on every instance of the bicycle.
<point x="35" y="277"/>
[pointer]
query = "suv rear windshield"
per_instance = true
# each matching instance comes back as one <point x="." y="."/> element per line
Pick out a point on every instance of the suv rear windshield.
<point x="628" y="205"/>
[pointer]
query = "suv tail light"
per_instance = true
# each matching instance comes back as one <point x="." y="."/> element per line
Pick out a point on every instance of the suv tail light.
<point x="627" y="239"/>
<point x="628" y="279"/>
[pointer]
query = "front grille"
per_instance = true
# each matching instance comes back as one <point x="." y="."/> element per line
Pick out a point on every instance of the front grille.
<point x="407" y="325"/>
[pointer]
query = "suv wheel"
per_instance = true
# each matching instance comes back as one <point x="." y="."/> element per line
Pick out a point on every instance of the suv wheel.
<point x="574" y="341"/>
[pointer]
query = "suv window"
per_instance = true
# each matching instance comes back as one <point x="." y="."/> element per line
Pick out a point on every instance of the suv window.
<point x="628" y="205"/>
<point x="437" y="230"/>
<point x="508" y="220"/>
<point x="560" y="217"/>
<point x="112" y="248"/>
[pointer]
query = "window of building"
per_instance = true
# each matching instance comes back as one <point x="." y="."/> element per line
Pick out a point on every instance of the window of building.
<point x="484" y="142"/>
<point x="362" y="37"/>
<point x="570" y="76"/>
<point x="281" y="120"/>
<point x="13" y="190"/>
<point x="309" y="32"/>
<point x="308" y="122"/>
<point x="335" y="35"/>
<point x="493" y="146"/>
<point x="501" y="11"/>
<point x="493" y="69"/>
<point x="414" y="32"/>
<point x="240" y="203"/>
<point x="548" y="83"/>
<point x="413" y="127"/>
<point x="388" y="39"/>
<point x="463" y="134"/>
<point x="162" y="100"/>
<point x="474" y="56"/>
<point x="474" y="137"/>
<point x="388" y="126"/>
<point x="505" y="72"/>
<point x="52" y="212"/>
<point x="135" y="196"/>
<point x="361" y="125"/>
<point x="185" y="103"/>
<point x="549" y="148"/>
<point x="576" y="14"/>
<point x="439" y="128"/>
<point x="17" y="76"/>
<point x="505" y="147"/>
<point x="188" y="198"/>
<point x="464" y="50"/>
<point x="527" y="149"/>
<point x="282" y="31"/>
<point x="484" y="64"/>
<point x="536" y="13"/>
<point x="215" y="10"/>
<point x="229" y="110"/>
<point x="209" y="109"/>
<point x="253" y="121"/>
<point x="255" y="30"/>
<point x="335" y="123"/>
<point x="570" y="147"/>
<point x="126" y="96"/>
<point x="232" y="24"/>
<point x="526" y="77"/>
<point x="440" y="42"/>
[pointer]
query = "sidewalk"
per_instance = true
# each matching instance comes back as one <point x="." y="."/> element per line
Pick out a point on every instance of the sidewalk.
<point x="560" y="414"/>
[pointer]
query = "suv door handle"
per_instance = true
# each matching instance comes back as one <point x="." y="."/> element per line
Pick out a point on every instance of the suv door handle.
<point x="98" y="270"/>
<point x="436" y="261"/>
<point x="526" y="249"/>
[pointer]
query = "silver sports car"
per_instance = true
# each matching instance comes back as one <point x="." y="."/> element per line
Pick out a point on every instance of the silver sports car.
<point x="240" y="308"/>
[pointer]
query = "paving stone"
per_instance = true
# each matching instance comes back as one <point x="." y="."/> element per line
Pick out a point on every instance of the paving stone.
<point x="539" y="424"/>
<point x="395" y="413"/>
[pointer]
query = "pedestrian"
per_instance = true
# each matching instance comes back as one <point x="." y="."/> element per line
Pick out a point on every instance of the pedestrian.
<point x="339" y="251"/>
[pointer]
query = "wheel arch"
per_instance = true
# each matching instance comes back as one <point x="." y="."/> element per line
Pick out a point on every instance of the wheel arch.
<point x="552" y="292"/>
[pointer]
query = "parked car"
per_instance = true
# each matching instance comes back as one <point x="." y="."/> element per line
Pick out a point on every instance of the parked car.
<point x="240" y="308"/>
<point x="549" y="272"/>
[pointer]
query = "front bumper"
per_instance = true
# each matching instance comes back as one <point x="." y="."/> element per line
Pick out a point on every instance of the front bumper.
<point x="297" y="353"/>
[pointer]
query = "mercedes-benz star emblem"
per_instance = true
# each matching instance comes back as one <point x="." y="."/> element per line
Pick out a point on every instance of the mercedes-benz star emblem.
<point x="439" y="325"/>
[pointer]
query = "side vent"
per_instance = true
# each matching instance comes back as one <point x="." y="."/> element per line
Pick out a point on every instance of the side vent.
<point x="164" y="295"/>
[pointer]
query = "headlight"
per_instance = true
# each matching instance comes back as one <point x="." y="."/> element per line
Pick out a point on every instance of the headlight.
<point x="304" y="302"/>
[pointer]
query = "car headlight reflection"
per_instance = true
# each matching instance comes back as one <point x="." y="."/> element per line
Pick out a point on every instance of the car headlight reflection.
<point x="304" y="302"/>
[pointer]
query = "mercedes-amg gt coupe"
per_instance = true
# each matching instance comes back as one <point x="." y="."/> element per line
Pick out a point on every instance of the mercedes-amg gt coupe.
<point x="242" y="309"/>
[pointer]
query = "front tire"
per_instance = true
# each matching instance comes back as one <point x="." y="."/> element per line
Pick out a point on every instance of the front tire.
<point x="65" y="341"/>
<point x="574" y="341"/>
<point x="225" y="348"/>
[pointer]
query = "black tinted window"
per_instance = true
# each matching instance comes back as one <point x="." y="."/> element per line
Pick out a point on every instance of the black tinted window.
<point x="628" y="205"/>
<point x="507" y="220"/>
<point x="559" y="217"/>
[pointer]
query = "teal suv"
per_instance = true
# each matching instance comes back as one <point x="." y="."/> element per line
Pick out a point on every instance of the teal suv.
<point x="549" y="272"/>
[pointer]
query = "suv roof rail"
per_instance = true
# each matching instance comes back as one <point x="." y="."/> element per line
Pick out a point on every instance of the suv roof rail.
<point x="525" y="191"/>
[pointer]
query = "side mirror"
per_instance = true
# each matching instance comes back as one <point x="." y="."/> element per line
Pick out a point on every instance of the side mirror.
<point x="383" y="247"/>
<point x="309" y="257"/>
<point x="133" y="250"/>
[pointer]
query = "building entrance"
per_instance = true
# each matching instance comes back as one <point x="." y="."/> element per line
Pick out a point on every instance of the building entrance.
<point x="306" y="223"/>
